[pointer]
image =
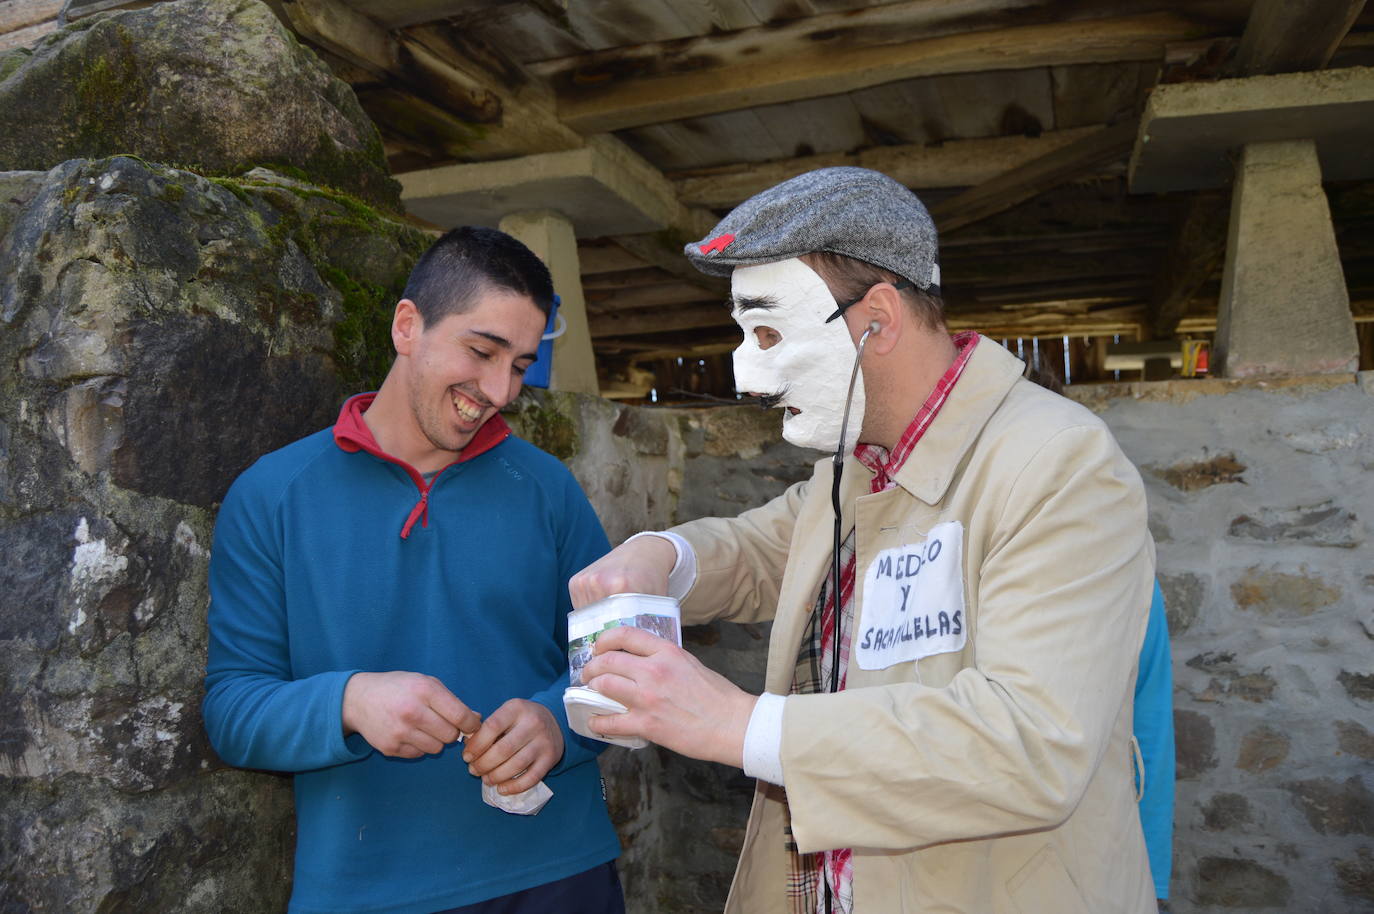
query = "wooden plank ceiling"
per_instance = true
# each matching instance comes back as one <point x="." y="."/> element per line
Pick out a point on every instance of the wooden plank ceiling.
<point x="1012" y="119"/>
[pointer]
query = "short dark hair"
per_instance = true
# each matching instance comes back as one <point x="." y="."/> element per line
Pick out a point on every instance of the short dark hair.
<point x="468" y="260"/>
<point x="849" y="278"/>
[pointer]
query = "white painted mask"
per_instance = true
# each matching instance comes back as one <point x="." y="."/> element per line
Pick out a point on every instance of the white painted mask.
<point x="791" y="354"/>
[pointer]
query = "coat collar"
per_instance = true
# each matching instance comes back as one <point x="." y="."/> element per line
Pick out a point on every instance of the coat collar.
<point x="989" y="376"/>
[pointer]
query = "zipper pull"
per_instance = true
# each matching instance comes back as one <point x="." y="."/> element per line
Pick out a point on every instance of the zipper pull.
<point x="421" y="508"/>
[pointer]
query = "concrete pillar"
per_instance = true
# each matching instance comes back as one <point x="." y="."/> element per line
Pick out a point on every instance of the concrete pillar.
<point x="550" y="235"/>
<point x="1284" y="306"/>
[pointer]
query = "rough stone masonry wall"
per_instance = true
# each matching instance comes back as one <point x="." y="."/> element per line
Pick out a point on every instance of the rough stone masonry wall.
<point x="160" y="327"/>
<point x="1261" y="504"/>
<point x="158" y="332"/>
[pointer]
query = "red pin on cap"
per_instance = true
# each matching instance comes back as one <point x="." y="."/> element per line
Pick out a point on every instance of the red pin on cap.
<point x="718" y="244"/>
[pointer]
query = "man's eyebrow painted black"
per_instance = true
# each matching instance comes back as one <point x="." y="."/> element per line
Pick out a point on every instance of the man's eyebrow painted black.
<point x="753" y="303"/>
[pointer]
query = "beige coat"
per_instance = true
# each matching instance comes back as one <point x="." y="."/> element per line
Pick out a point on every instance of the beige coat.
<point x="996" y="776"/>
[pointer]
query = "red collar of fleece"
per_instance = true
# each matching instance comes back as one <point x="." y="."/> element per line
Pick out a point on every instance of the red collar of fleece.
<point x="352" y="434"/>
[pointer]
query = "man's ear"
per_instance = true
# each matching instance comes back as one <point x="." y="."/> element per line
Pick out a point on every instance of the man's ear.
<point x="406" y="326"/>
<point x="884" y="307"/>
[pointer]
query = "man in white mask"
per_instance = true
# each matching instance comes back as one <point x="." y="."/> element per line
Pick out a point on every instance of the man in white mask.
<point x="947" y="717"/>
<point x="791" y="355"/>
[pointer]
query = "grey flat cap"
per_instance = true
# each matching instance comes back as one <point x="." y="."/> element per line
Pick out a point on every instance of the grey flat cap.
<point x="852" y="211"/>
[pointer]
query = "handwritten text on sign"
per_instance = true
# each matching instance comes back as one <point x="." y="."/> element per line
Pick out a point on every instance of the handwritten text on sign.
<point x="913" y="602"/>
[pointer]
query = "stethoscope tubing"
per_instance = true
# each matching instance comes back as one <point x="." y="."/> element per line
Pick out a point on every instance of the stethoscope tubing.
<point x="835" y="554"/>
<point x="835" y="504"/>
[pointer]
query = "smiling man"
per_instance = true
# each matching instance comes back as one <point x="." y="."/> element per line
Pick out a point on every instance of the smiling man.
<point x="947" y="721"/>
<point x="384" y="587"/>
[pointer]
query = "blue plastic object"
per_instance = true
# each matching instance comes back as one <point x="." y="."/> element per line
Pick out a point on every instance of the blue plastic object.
<point x="538" y="374"/>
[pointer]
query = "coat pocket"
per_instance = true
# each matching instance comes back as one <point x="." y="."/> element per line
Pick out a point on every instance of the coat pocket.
<point x="1043" y="886"/>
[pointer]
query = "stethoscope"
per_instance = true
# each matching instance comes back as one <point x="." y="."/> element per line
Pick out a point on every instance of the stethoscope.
<point x="873" y="326"/>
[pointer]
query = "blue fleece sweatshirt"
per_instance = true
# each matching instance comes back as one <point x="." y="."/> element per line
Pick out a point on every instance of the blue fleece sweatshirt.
<point x="311" y="581"/>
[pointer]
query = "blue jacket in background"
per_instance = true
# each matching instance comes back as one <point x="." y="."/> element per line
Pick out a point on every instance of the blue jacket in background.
<point x="1154" y="731"/>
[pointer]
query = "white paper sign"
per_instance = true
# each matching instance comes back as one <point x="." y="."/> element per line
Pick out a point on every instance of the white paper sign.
<point x="913" y="603"/>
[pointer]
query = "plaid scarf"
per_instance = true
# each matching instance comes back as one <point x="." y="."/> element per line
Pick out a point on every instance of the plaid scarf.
<point x="807" y="874"/>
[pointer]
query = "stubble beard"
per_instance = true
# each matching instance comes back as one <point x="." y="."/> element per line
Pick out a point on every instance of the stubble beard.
<point x="436" y="421"/>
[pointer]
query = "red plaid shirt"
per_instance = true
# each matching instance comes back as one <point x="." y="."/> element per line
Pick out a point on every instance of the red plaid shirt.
<point x="838" y="865"/>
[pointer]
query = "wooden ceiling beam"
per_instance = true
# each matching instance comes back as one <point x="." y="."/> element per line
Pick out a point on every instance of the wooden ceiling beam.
<point x="474" y="114"/>
<point x="649" y="84"/>
<point x="641" y="352"/>
<point x="604" y="256"/>
<point x="664" y="250"/>
<point x="613" y="281"/>
<point x="506" y="121"/>
<point x="18" y="14"/>
<point x="974" y="247"/>
<point x="1288" y="36"/>
<point x="1069" y="162"/>
<point x="660" y="320"/>
<point x="27" y="35"/>
<point x="1051" y="320"/>
<point x="1066" y="319"/>
<point x="1067" y="286"/>
<point x="416" y="124"/>
<point x="958" y="163"/>
<point x="1070" y="318"/>
<point x="635" y="335"/>
<point x="1013" y="267"/>
<point x="657" y="295"/>
<point x="1197" y="252"/>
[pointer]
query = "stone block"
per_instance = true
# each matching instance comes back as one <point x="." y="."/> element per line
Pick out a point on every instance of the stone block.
<point x="1195" y="743"/>
<point x="1355" y="739"/>
<point x="38" y="555"/>
<point x="1226" y="811"/>
<point x="1334" y="808"/>
<point x="218" y="86"/>
<point x="548" y="421"/>
<point x="740" y="431"/>
<point x="1190" y="476"/>
<point x="1322" y="524"/>
<point x="1280" y="594"/>
<point x="1337" y="435"/>
<point x="1230" y="681"/>
<point x="1359" y="686"/>
<point x="17" y="189"/>
<point x="1183" y="596"/>
<point x="1262" y="749"/>
<point x="1245" y="885"/>
<point x="646" y="431"/>
<point x="1356" y="876"/>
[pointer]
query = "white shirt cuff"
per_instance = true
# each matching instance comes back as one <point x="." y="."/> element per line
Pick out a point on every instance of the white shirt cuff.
<point x="763" y="740"/>
<point x="684" y="573"/>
